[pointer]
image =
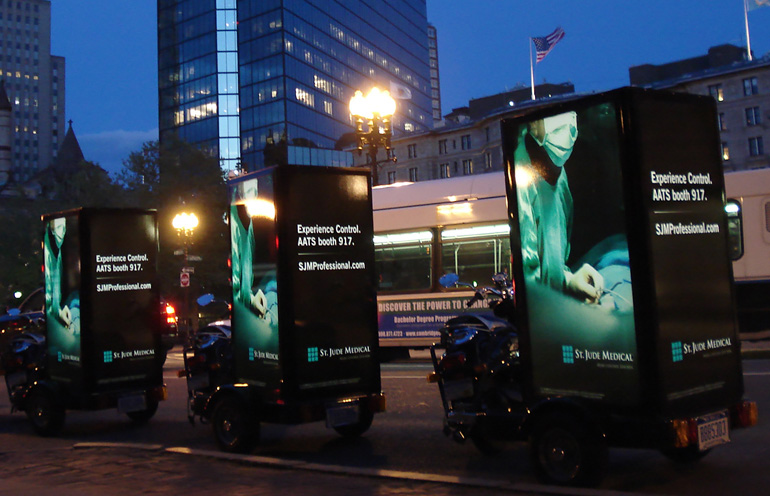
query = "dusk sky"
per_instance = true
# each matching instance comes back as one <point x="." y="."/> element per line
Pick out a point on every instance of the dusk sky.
<point x="111" y="54"/>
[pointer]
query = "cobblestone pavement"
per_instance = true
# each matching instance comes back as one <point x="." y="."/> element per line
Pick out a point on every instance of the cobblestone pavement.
<point x="121" y="471"/>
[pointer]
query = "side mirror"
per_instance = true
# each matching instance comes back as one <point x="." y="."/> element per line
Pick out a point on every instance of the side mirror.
<point x="449" y="280"/>
<point x="205" y="299"/>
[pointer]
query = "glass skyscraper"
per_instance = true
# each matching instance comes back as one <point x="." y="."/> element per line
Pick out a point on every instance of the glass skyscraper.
<point x="299" y="63"/>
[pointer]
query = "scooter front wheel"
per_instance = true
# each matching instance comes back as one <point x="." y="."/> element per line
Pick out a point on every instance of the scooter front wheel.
<point x="45" y="412"/>
<point x="234" y="428"/>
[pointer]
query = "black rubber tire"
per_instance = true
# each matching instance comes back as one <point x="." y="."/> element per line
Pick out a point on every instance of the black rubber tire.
<point x="684" y="456"/>
<point x="143" y="416"/>
<point x="358" y="428"/>
<point x="486" y="438"/>
<point x="235" y="429"/>
<point x="45" y="412"/>
<point x="565" y="452"/>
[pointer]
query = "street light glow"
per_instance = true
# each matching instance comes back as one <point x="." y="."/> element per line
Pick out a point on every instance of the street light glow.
<point x="376" y="110"/>
<point x="185" y="221"/>
<point x="377" y="102"/>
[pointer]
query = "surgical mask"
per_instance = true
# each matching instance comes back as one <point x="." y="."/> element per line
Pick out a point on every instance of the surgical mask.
<point x="559" y="137"/>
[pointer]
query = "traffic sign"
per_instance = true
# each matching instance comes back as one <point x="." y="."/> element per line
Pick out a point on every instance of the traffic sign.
<point x="188" y="270"/>
<point x="184" y="279"/>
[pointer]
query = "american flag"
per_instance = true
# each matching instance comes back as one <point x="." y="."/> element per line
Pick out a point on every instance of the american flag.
<point x="545" y="44"/>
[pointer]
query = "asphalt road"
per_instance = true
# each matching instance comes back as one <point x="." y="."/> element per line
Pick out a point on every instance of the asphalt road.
<point x="408" y="437"/>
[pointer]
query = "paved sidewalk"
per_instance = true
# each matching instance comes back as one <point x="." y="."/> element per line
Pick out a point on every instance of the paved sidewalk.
<point x="133" y="470"/>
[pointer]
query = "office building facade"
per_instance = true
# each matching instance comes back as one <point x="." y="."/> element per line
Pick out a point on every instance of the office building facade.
<point x="299" y="63"/>
<point x="34" y="82"/>
<point x="741" y="89"/>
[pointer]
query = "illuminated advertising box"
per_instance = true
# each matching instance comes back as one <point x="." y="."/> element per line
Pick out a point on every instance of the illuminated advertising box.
<point x="623" y="278"/>
<point x="304" y="292"/>
<point x="101" y="299"/>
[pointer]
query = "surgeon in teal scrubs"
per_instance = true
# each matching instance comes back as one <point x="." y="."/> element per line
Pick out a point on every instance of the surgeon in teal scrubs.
<point x="545" y="207"/>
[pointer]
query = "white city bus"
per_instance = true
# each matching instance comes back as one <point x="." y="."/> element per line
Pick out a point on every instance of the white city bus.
<point x="748" y="210"/>
<point x="424" y="230"/>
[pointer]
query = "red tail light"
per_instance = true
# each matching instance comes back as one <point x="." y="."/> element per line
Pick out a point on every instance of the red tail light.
<point x="745" y="414"/>
<point x="170" y="314"/>
<point x="453" y="361"/>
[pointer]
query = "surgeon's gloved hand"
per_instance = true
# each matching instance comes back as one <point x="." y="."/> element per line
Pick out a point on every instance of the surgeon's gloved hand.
<point x="586" y="283"/>
<point x="65" y="315"/>
<point x="259" y="303"/>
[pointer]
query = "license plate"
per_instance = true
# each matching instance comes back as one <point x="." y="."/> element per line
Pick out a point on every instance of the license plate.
<point x="197" y="382"/>
<point x="713" y="430"/>
<point x="457" y="390"/>
<point x="340" y="415"/>
<point x="132" y="403"/>
<point x="16" y="379"/>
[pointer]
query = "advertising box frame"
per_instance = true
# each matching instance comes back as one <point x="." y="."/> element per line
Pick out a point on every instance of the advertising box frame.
<point x="286" y="267"/>
<point x="656" y="144"/>
<point x="102" y="298"/>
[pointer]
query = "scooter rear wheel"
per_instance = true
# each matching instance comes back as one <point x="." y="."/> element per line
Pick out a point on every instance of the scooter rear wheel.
<point x="357" y="428"/>
<point x="566" y="452"/>
<point x="143" y="416"/>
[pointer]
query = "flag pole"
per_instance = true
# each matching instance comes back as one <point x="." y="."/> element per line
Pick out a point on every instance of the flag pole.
<point x="746" y="20"/>
<point x="531" y="69"/>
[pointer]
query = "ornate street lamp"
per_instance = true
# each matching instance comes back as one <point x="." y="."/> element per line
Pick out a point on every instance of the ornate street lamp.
<point x="185" y="225"/>
<point x="377" y="109"/>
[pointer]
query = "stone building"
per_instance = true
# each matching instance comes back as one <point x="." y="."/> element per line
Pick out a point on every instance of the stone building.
<point x="741" y="89"/>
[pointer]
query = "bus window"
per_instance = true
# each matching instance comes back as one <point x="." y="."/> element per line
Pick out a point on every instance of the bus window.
<point x="734" y="229"/>
<point x="403" y="260"/>
<point x="476" y="253"/>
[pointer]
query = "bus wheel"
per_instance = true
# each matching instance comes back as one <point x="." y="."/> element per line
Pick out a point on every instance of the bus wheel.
<point x="234" y="429"/>
<point x="565" y="452"/>
<point x="143" y="416"/>
<point x="689" y="454"/>
<point x="357" y="428"/>
<point x="45" y="412"/>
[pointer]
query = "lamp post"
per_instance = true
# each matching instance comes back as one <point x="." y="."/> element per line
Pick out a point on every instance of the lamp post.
<point x="185" y="225"/>
<point x="377" y="109"/>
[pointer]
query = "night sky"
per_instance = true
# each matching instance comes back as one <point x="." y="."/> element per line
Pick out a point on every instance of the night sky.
<point x="111" y="53"/>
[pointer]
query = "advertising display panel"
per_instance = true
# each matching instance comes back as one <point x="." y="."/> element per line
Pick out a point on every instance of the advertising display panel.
<point x="254" y="259"/>
<point x="123" y="291"/>
<point x="624" y="281"/>
<point x="61" y="259"/>
<point x="682" y="187"/>
<point x="330" y="255"/>
<point x="304" y="293"/>
<point x="102" y="302"/>
<point x="572" y="234"/>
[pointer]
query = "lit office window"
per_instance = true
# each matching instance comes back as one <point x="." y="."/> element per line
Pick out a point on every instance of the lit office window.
<point x="443" y="170"/>
<point x="725" y="151"/>
<point x="304" y="97"/>
<point x="467" y="167"/>
<point x="717" y="92"/>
